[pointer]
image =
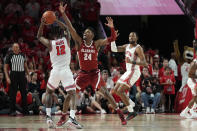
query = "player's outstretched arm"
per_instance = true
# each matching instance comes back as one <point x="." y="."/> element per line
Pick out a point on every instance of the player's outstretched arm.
<point x="115" y="48"/>
<point x="40" y="36"/>
<point x="102" y="42"/>
<point x="72" y="30"/>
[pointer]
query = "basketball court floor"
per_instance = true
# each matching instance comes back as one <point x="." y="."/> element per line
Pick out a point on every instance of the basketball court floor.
<point x="104" y="122"/>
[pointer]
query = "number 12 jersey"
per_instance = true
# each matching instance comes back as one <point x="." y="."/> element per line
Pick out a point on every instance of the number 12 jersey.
<point x="60" y="55"/>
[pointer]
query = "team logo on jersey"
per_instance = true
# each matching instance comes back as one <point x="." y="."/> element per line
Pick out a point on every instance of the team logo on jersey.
<point x="61" y="42"/>
<point x="88" y="50"/>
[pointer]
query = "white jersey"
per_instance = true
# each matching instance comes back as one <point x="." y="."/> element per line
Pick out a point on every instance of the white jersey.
<point x="60" y="55"/>
<point x="131" y="54"/>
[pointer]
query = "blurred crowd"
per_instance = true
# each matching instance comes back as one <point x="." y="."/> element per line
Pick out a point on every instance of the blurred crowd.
<point x="19" y="20"/>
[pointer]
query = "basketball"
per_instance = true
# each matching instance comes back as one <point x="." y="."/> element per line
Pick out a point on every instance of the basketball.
<point x="49" y="17"/>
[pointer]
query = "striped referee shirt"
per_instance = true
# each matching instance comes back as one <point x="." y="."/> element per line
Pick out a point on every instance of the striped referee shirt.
<point x="16" y="62"/>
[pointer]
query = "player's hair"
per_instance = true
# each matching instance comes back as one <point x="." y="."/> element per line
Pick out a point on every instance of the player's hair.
<point x="56" y="31"/>
<point x="92" y="29"/>
<point x="135" y="33"/>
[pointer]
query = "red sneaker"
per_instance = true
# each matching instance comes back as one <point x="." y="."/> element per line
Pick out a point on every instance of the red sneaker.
<point x="62" y="121"/>
<point x="121" y="115"/>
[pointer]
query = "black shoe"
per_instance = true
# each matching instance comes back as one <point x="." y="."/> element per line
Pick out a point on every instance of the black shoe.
<point x="131" y="115"/>
<point x="73" y="122"/>
<point x="13" y="113"/>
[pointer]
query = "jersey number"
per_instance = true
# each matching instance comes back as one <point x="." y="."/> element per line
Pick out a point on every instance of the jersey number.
<point x="87" y="56"/>
<point x="60" y="50"/>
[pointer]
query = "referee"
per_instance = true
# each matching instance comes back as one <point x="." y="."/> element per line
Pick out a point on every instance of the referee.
<point x="16" y="62"/>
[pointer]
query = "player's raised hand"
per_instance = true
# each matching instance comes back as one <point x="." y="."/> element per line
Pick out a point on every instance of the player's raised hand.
<point x="62" y="7"/>
<point x="110" y="22"/>
<point x="43" y="21"/>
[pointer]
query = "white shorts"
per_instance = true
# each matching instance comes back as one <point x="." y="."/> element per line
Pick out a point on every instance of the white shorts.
<point x="63" y="75"/>
<point x="192" y="83"/>
<point x="129" y="77"/>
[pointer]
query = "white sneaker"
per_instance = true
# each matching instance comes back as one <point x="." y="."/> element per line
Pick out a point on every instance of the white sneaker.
<point x="103" y="111"/>
<point x="147" y="110"/>
<point x="50" y="122"/>
<point x="73" y="123"/>
<point x="185" y="114"/>
<point x="193" y="113"/>
<point x="152" y="111"/>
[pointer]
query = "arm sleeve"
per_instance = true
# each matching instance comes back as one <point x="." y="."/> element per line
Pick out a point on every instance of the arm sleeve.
<point x="113" y="36"/>
<point x="113" y="47"/>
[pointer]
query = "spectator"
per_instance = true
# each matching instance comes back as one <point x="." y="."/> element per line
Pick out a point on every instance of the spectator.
<point x="13" y="7"/>
<point x="161" y="70"/>
<point x="33" y="85"/>
<point x="88" y="102"/>
<point x="55" y="108"/>
<point x="173" y="66"/>
<point x="33" y="9"/>
<point x="108" y="80"/>
<point x="168" y="82"/>
<point x="4" y="99"/>
<point x="150" y="93"/>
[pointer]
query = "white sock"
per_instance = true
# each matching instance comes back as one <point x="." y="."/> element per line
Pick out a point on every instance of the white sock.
<point x="130" y="108"/>
<point x="48" y="111"/>
<point x="72" y="114"/>
<point x="131" y="103"/>
<point x="63" y="114"/>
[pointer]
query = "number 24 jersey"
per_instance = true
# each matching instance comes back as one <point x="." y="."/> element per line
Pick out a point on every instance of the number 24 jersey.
<point x="88" y="57"/>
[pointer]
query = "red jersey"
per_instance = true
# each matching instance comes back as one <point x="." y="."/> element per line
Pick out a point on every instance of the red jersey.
<point x="88" y="57"/>
<point x="168" y="89"/>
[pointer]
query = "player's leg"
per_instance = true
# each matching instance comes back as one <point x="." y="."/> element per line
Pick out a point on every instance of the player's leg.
<point x="127" y="101"/>
<point x="48" y="103"/>
<point x="192" y="105"/>
<point x="185" y="112"/>
<point x="72" y="118"/>
<point x="120" y="113"/>
<point x="66" y="105"/>
<point x="52" y="84"/>
<point x="70" y="87"/>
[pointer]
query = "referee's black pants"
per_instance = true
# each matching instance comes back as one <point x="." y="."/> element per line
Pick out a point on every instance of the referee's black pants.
<point x="18" y="81"/>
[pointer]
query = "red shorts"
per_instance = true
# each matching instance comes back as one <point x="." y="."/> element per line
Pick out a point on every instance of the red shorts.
<point x="92" y="78"/>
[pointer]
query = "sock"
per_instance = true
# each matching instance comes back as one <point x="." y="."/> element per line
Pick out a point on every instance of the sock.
<point x="72" y="114"/>
<point x="131" y="103"/>
<point x="48" y="111"/>
<point x="130" y="108"/>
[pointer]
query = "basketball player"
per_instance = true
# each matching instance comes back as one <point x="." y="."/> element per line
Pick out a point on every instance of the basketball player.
<point x="87" y="50"/>
<point x="135" y="58"/>
<point x="192" y="83"/>
<point x="60" y="57"/>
